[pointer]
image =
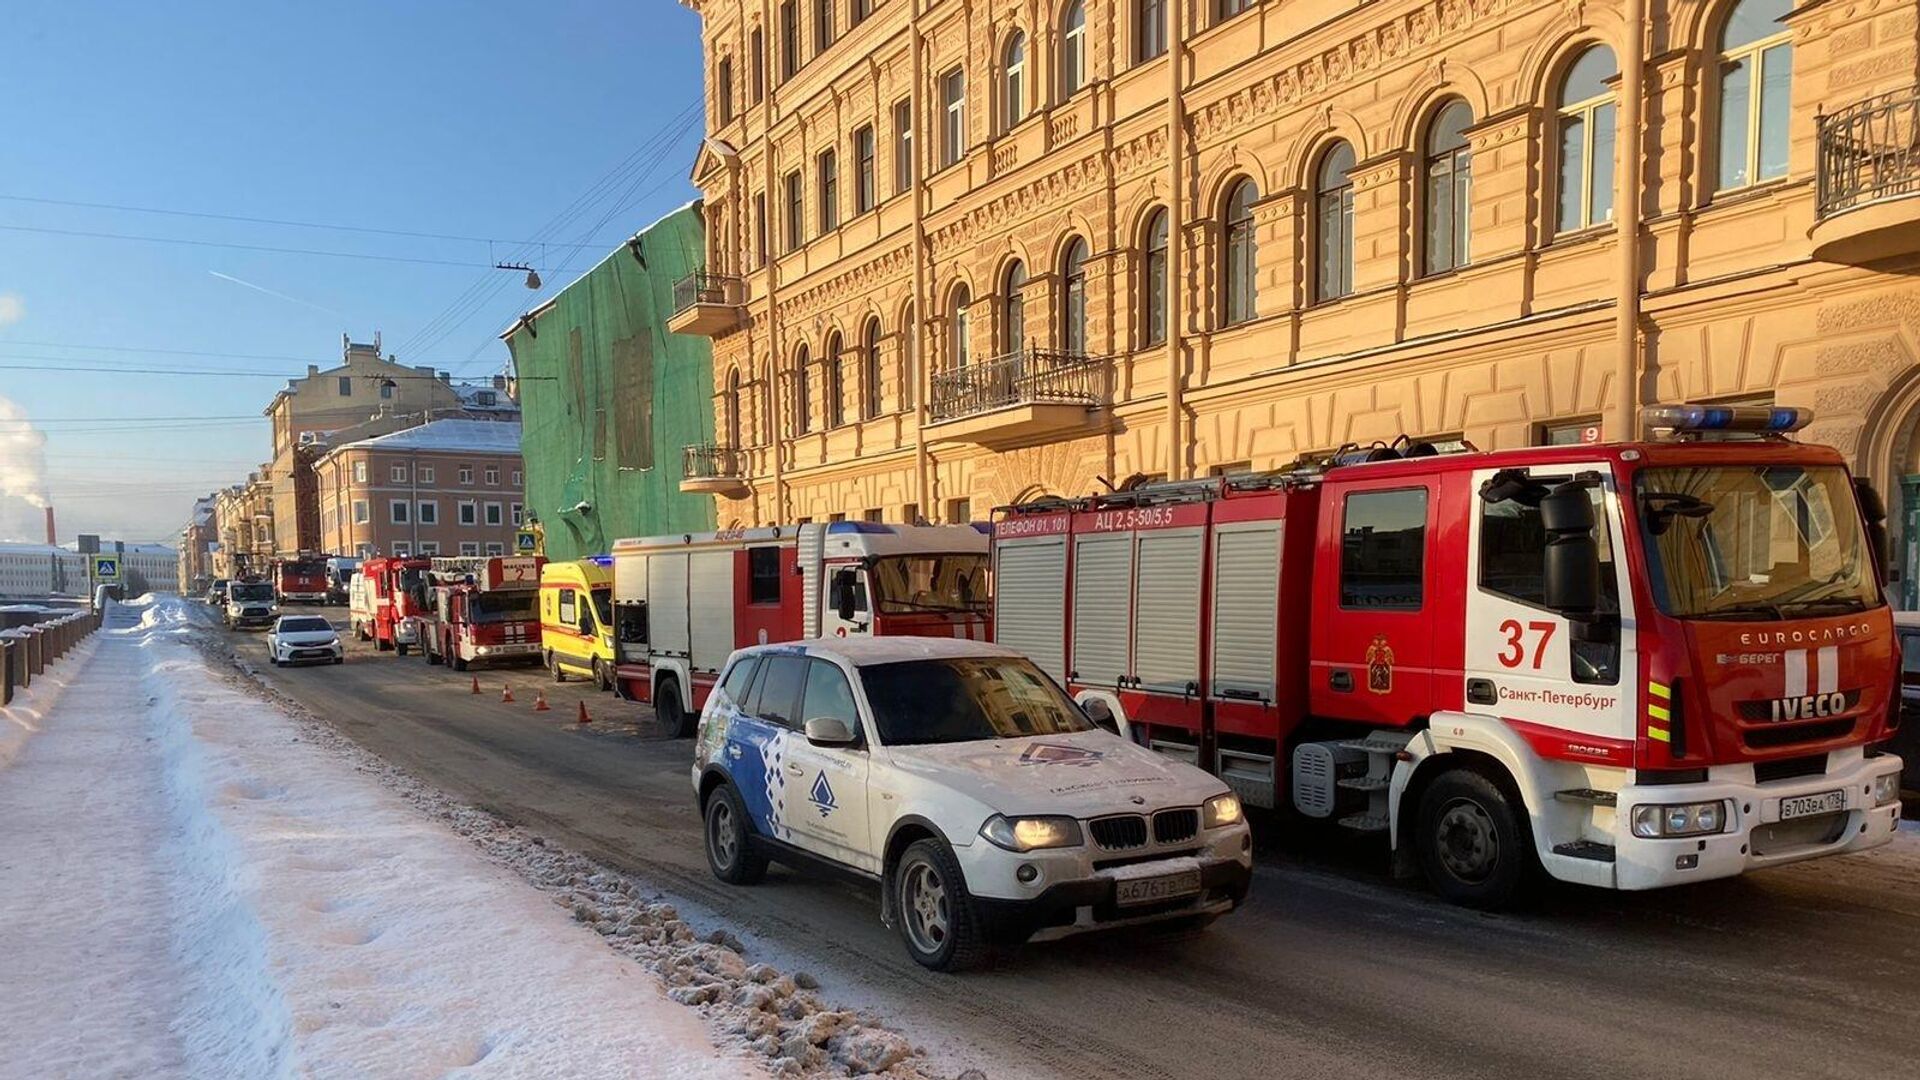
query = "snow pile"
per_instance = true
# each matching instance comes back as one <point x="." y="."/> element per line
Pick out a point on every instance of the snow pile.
<point x="193" y="887"/>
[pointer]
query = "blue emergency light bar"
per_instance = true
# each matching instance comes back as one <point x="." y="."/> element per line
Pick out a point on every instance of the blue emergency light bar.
<point x="872" y="527"/>
<point x="1758" y="419"/>
<point x="600" y="560"/>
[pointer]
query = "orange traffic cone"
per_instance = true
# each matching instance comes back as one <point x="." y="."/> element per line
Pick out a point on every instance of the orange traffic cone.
<point x="584" y="718"/>
<point x="476" y="684"/>
<point x="540" y="701"/>
<point x="506" y="692"/>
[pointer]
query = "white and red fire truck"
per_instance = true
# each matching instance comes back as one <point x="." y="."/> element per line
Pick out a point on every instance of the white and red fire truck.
<point x="683" y="603"/>
<point x="386" y="600"/>
<point x="481" y="609"/>
<point x="300" y="580"/>
<point x="1630" y="665"/>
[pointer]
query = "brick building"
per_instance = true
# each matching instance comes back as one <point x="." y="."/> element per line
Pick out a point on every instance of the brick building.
<point x="449" y="487"/>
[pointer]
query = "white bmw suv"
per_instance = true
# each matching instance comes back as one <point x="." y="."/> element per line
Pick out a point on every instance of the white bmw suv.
<point x="959" y="777"/>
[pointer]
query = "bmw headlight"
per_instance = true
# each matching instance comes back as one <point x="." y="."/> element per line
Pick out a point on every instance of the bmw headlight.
<point x="1886" y="789"/>
<point x="1655" y="821"/>
<point x="1031" y="833"/>
<point x="1223" y="810"/>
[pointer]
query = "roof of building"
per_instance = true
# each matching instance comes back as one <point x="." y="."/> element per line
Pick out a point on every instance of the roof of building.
<point x="478" y="436"/>
<point x="14" y="547"/>
<point x="471" y="398"/>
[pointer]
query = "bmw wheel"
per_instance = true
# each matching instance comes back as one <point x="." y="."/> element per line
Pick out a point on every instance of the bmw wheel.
<point x="730" y="852"/>
<point x="938" y="919"/>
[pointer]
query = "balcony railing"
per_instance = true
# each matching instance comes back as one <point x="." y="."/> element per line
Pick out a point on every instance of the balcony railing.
<point x="707" y="461"/>
<point x="701" y="287"/>
<point x="1869" y="151"/>
<point x="1032" y="377"/>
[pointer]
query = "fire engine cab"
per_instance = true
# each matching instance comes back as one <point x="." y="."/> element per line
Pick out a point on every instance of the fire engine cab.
<point x="387" y="600"/>
<point x="301" y="580"/>
<point x="683" y="603"/>
<point x="1630" y="665"/>
<point x="481" y="609"/>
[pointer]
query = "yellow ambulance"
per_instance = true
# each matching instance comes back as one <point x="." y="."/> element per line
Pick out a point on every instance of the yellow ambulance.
<point x="576" y="619"/>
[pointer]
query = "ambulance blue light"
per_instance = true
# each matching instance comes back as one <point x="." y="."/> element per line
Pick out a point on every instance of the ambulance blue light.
<point x="1750" y="418"/>
<point x="600" y="560"/>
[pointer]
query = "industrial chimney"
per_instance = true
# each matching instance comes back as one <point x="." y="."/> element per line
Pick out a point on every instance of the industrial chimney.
<point x="50" y="534"/>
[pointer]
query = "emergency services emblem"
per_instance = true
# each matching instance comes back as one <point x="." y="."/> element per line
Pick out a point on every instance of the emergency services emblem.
<point x="822" y="796"/>
<point x="1380" y="665"/>
<point x="1053" y="754"/>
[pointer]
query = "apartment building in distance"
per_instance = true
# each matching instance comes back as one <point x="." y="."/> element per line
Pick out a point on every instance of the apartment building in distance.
<point x="448" y="487"/>
<point x="243" y="527"/>
<point x="960" y="255"/>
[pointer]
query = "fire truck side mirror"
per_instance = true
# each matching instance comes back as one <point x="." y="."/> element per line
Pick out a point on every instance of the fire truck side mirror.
<point x="1874" y="510"/>
<point x="1572" y="563"/>
<point x="840" y="595"/>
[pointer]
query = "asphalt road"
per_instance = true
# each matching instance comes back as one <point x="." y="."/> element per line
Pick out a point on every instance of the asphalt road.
<point x="1330" y="970"/>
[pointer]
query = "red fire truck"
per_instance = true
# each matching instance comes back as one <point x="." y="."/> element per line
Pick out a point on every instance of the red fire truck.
<point x="1629" y="665"/>
<point x="301" y="580"/>
<point x="386" y="600"/>
<point x="481" y="609"/>
<point x="683" y="603"/>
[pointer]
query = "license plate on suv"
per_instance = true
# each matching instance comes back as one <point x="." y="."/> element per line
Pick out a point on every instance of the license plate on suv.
<point x="1799" y="806"/>
<point x="1152" y="890"/>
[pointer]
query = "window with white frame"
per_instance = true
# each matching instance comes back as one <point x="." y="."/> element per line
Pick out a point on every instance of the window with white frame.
<point x="429" y="512"/>
<point x="467" y="512"/>
<point x="495" y="514"/>
<point x="517" y="478"/>
<point x="1586" y="141"/>
<point x="402" y="548"/>
<point x="466" y="474"/>
<point x="425" y="473"/>
<point x="1756" y="87"/>
<point x="1073" y="50"/>
<point x="495" y="547"/>
<point x="493" y="476"/>
<point x="397" y="473"/>
<point x="399" y="511"/>
<point x="359" y="472"/>
<point x="429" y="547"/>
<point x="1333" y="231"/>
<point x="953" y="129"/>
<point x="469" y="547"/>
<point x="362" y="513"/>
<point x="519" y="514"/>
<point x="1013" y="92"/>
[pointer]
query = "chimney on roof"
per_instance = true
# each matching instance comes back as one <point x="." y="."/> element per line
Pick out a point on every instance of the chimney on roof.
<point x="312" y="370"/>
<point x="446" y="377"/>
<point x="51" y="542"/>
<point x="499" y="382"/>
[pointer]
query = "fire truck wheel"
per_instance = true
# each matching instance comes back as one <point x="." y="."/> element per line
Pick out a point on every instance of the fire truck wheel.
<point x="399" y="649"/>
<point x="553" y="665"/>
<point x="602" y="675"/>
<point x="938" y="919"/>
<point x="730" y="853"/>
<point x="459" y="663"/>
<point x="676" y="721"/>
<point x="1474" y="848"/>
<point x="428" y="652"/>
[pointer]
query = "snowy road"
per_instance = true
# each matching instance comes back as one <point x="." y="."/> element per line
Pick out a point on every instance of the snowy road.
<point x="1331" y="970"/>
<point x="189" y="888"/>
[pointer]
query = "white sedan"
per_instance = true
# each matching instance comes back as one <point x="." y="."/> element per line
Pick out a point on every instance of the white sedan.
<point x="300" y="639"/>
<point x="962" y="780"/>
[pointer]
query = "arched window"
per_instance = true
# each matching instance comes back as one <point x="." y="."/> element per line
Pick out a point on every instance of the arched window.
<point x="1013" y="89"/>
<point x="958" y="342"/>
<point x="1013" y="314"/>
<point x="730" y="428"/>
<point x="834" y="383"/>
<point x="1237" y="297"/>
<point x="1586" y="141"/>
<point x="1756" y="85"/>
<point x="870" y="369"/>
<point x="1073" y="298"/>
<point x="1153" y="281"/>
<point x="802" y="408"/>
<point x="1449" y="179"/>
<point x="1073" y="50"/>
<point x="1333" y="228"/>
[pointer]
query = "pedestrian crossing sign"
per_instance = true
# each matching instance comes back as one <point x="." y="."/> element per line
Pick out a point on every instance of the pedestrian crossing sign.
<point x="106" y="568"/>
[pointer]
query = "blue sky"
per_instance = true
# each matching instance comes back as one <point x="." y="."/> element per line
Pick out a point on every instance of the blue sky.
<point x="476" y="118"/>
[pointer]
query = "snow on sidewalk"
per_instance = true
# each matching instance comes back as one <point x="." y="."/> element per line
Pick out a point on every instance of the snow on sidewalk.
<point x="190" y="887"/>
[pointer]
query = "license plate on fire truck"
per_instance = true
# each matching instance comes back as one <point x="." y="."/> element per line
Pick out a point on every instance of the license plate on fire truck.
<point x="1151" y="890"/>
<point x="1827" y="802"/>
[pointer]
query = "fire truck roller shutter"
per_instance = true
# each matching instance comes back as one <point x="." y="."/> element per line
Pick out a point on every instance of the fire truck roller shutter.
<point x="1246" y="603"/>
<point x="1102" y="598"/>
<point x="1029" y="579"/>
<point x="813" y="549"/>
<point x="667" y="604"/>
<point x="710" y="603"/>
<point x="1166" y="613"/>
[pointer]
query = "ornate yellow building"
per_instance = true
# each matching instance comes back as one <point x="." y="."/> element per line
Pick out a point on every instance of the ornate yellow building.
<point x="962" y="253"/>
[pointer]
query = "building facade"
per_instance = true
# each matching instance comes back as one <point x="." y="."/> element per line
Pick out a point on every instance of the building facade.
<point x="365" y="387"/>
<point x="961" y="255"/>
<point x="611" y="398"/>
<point x="449" y="487"/>
<point x="198" y="538"/>
<point x="243" y="524"/>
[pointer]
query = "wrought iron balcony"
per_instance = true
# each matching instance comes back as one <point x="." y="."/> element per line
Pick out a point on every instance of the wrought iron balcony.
<point x="1016" y="395"/>
<point x="710" y="469"/>
<point x="1869" y="169"/>
<point x="706" y="304"/>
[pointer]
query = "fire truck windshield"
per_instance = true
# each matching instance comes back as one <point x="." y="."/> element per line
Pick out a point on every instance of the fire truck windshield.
<point x="1755" y="542"/>
<point x="492" y="607"/>
<point x="940" y="583"/>
<point x="916" y="702"/>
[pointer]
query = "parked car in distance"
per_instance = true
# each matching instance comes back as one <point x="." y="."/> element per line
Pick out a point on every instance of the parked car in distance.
<point x="960" y="778"/>
<point x="304" y="639"/>
<point x="217" y="593"/>
<point x="250" y="603"/>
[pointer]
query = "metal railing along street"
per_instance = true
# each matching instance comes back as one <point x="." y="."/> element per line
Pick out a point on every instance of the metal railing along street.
<point x="1031" y="376"/>
<point x="1869" y="151"/>
<point x="25" y="651"/>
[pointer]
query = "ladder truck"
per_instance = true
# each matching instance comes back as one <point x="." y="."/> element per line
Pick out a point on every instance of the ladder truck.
<point x="682" y="604"/>
<point x="1626" y="665"/>
<point x="481" y="609"/>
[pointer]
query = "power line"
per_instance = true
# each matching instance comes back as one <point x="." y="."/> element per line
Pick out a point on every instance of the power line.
<point x="92" y="235"/>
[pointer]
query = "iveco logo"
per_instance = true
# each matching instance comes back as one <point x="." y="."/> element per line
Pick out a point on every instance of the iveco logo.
<point x="1806" y="707"/>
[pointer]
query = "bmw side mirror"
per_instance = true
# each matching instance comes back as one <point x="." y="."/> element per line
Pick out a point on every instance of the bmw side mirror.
<point x="830" y="731"/>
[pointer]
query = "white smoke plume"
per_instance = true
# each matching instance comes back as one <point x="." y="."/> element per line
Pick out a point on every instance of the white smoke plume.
<point x="23" y="456"/>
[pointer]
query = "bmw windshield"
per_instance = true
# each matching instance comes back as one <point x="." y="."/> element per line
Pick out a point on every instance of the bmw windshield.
<point x="1755" y="542"/>
<point x="916" y="702"/>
